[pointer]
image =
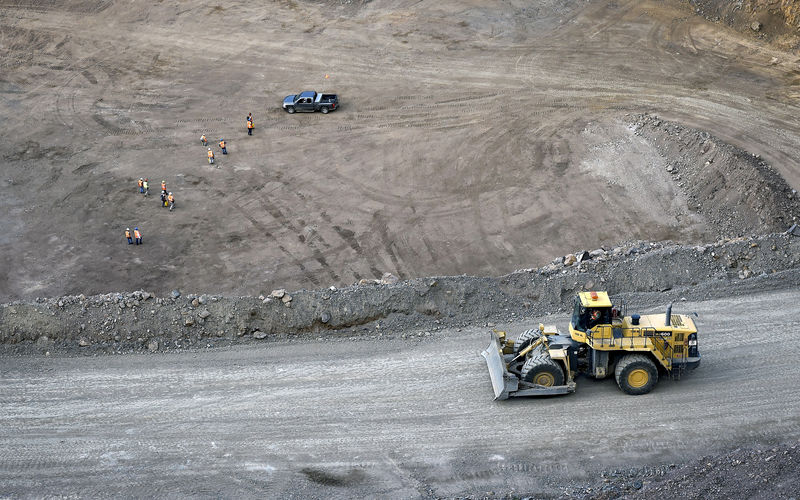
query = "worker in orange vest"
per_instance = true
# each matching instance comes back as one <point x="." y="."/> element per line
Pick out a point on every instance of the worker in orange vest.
<point x="163" y="186"/>
<point x="250" y="126"/>
<point x="210" y="156"/>
<point x="137" y="235"/>
<point x="141" y="185"/>
<point x="128" y="235"/>
<point x="171" y="201"/>
<point x="203" y="140"/>
<point x="222" y="146"/>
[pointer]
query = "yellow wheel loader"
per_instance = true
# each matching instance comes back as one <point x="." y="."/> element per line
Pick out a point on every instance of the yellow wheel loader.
<point x="602" y="341"/>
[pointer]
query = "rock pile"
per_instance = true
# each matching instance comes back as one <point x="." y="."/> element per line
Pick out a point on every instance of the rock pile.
<point x="740" y="473"/>
<point x="141" y="321"/>
<point x="736" y="192"/>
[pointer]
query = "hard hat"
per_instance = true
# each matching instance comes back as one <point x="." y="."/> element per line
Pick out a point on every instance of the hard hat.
<point x="163" y="181"/>
<point x="170" y="193"/>
<point x="127" y="229"/>
<point x="136" y="229"/>
<point x="209" y="149"/>
<point x="140" y="178"/>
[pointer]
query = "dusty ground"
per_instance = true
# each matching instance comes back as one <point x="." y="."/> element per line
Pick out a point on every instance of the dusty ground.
<point x="474" y="137"/>
<point x="382" y="418"/>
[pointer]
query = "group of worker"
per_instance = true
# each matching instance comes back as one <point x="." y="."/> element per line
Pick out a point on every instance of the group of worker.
<point x="167" y="198"/>
<point x="135" y="237"/>
<point x="144" y="186"/>
<point x="222" y="144"/>
<point x="167" y="201"/>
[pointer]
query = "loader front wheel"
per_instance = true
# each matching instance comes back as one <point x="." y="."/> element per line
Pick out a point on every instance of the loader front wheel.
<point x="540" y="369"/>
<point x="636" y="374"/>
<point x="526" y="338"/>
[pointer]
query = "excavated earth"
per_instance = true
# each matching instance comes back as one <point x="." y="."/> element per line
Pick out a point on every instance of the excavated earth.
<point x="125" y="322"/>
<point x="307" y="322"/>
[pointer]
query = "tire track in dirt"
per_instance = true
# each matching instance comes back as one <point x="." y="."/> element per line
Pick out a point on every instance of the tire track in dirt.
<point x="321" y="250"/>
<point x="317" y="254"/>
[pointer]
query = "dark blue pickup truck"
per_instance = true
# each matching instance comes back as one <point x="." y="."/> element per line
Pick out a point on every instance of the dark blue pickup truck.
<point x="310" y="101"/>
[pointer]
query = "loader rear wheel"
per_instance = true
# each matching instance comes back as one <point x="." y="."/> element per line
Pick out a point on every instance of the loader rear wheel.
<point x="526" y="338"/>
<point x="540" y="369"/>
<point x="636" y="374"/>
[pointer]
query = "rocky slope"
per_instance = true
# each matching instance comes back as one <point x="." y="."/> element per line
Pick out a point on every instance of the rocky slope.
<point x="120" y="322"/>
<point x="732" y="190"/>
<point x="772" y="19"/>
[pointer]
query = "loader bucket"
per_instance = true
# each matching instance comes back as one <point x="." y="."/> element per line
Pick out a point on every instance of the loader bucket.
<point x="503" y="382"/>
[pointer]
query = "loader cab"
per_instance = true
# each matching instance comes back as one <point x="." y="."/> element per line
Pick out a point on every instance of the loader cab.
<point x="591" y="309"/>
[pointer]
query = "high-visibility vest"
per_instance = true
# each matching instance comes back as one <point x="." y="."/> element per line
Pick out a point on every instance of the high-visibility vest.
<point x="203" y="138"/>
<point x="163" y="186"/>
<point x="249" y="123"/>
<point x="210" y="154"/>
<point x="139" y="183"/>
<point x="137" y="234"/>
<point x="145" y="185"/>
<point x="222" y="144"/>
<point x="171" y="198"/>
<point x="127" y="234"/>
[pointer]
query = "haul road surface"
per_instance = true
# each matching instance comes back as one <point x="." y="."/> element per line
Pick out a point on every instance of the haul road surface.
<point x="379" y="418"/>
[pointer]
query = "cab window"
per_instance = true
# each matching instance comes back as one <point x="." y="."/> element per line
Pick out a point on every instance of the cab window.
<point x="579" y="316"/>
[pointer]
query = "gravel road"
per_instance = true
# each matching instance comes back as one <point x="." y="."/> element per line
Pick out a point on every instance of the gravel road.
<point x="400" y="418"/>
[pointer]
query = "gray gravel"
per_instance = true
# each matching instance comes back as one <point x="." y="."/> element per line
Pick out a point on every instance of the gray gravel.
<point x="360" y="417"/>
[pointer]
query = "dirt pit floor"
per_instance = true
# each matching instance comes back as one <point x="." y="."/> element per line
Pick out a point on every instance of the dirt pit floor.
<point x="473" y="137"/>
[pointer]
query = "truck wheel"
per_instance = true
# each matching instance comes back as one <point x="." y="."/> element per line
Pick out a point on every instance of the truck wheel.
<point x="540" y="369"/>
<point x="526" y="338"/>
<point x="636" y="374"/>
<point x="290" y="110"/>
<point x="325" y="111"/>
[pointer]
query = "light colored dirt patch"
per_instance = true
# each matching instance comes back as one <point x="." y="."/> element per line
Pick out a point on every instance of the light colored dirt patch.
<point x="633" y="178"/>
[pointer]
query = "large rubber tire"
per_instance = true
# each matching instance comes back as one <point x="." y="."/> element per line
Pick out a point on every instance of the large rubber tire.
<point x="325" y="110"/>
<point x="526" y="338"/>
<point x="540" y="369"/>
<point x="636" y="374"/>
<point x="290" y="110"/>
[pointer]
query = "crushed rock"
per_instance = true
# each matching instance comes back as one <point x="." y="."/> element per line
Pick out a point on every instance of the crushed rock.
<point x="130" y="321"/>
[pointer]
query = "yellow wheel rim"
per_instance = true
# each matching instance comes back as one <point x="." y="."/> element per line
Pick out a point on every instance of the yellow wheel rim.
<point x="545" y="379"/>
<point x="638" y="378"/>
